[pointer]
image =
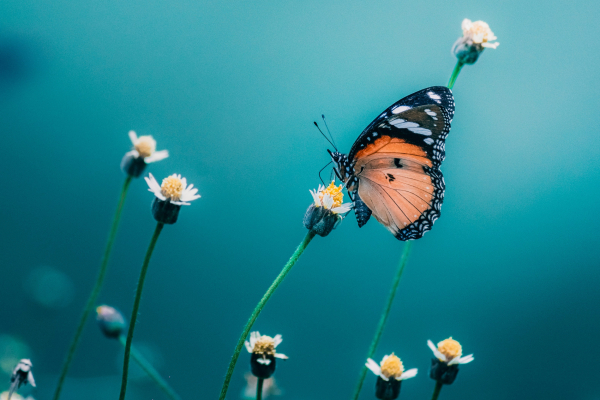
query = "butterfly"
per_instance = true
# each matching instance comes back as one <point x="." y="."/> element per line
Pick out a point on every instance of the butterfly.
<point x="393" y="168"/>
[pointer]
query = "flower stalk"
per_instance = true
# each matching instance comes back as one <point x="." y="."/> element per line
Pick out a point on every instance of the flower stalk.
<point x="384" y="316"/>
<point x="240" y="344"/>
<point x="437" y="390"/>
<point x="95" y="291"/>
<point x="457" y="68"/>
<point x="136" y="306"/>
<point x="259" y="386"/>
<point x="149" y="369"/>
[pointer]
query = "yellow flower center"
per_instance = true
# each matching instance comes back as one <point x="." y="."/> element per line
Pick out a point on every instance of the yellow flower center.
<point x="450" y="348"/>
<point x="172" y="188"/>
<point x="335" y="192"/>
<point x="145" y="145"/>
<point x="264" y="345"/>
<point x="392" y="367"/>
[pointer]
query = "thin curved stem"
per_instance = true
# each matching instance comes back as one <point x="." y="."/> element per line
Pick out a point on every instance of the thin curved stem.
<point x="259" y="387"/>
<point x="384" y="316"/>
<point x="258" y="309"/>
<point x="91" y="302"/>
<point x="436" y="390"/>
<point x="455" y="73"/>
<point x="136" y="306"/>
<point x="149" y="369"/>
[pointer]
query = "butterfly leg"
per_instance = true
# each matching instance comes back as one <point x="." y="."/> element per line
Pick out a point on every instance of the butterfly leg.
<point x="362" y="212"/>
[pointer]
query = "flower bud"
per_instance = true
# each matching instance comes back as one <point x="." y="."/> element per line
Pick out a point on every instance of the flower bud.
<point x="320" y="220"/>
<point x="262" y="366"/>
<point x="165" y="211"/>
<point x="263" y="354"/>
<point x="442" y="372"/>
<point x="110" y="321"/>
<point x="133" y="165"/>
<point x="143" y="153"/>
<point x="387" y="390"/>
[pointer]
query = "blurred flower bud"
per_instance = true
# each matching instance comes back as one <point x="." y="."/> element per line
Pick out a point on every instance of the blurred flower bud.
<point x="143" y="153"/>
<point x="110" y="321"/>
<point x="263" y="355"/>
<point x="448" y="356"/>
<point x="21" y="375"/>
<point x="476" y="37"/>
<point x="390" y="374"/>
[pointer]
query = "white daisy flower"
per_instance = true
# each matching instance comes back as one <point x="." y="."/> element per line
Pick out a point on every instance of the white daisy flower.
<point x="479" y="32"/>
<point x="174" y="189"/>
<point x="331" y="198"/>
<point x="265" y="346"/>
<point x="145" y="147"/>
<point x="450" y="352"/>
<point x="390" y="367"/>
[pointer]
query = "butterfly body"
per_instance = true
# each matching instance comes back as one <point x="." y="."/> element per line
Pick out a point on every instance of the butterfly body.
<point x="393" y="168"/>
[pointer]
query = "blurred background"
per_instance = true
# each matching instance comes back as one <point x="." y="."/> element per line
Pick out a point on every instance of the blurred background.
<point x="511" y="269"/>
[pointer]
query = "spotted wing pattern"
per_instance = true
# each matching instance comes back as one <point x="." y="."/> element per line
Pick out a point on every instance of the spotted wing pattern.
<point x="396" y="162"/>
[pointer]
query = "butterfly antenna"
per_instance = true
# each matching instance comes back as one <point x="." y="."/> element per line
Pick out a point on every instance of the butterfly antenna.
<point x="322" y="171"/>
<point x="328" y="131"/>
<point x="325" y="136"/>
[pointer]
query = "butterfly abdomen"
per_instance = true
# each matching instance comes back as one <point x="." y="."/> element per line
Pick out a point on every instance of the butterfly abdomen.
<point x="362" y="212"/>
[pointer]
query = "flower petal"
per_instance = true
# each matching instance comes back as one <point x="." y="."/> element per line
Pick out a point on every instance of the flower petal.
<point x="490" y="45"/>
<point x="157" y="156"/>
<point x="248" y="347"/>
<point x="436" y="352"/>
<point x="154" y="187"/>
<point x="466" y="359"/>
<point x="343" y="209"/>
<point x="327" y="201"/>
<point x="277" y="340"/>
<point x="133" y="153"/>
<point x="411" y="373"/>
<point x="254" y="336"/>
<point x="282" y="356"/>
<point x="132" y="137"/>
<point x="180" y="203"/>
<point x="373" y="366"/>
<point x="315" y="197"/>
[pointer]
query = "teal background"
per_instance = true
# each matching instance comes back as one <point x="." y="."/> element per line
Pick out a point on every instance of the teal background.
<point x="511" y="269"/>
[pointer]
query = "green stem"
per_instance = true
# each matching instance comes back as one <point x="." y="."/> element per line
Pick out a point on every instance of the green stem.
<point x="455" y="73"/>
<point x="436" y="391"/>
<point x="258" y="309"/>
<point x="384" y="316"/>
<point x="91" y="302"/>
<point x="136" y="306"/>
<point x="259" y="386"/>
<point x="149" y="369"/>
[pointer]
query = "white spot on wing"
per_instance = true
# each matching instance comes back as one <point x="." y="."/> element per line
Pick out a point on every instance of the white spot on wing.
<point x="428" y="141"/>
<point x="400" y="109"/>
<point x="433" y="96"/>
<point x="430" y="113"/>
<point x="421" y="131"/>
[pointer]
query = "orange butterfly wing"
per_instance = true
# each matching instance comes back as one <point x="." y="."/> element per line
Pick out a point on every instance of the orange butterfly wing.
<point x="395" y="182"/>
